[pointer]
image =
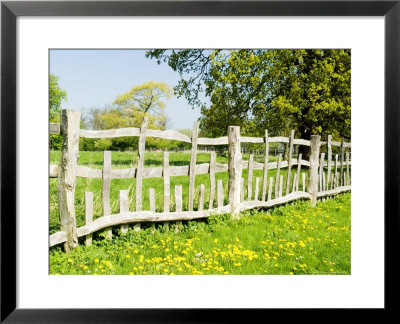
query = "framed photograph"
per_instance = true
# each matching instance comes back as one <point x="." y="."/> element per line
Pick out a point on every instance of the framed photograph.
<point x="156" y="210"/>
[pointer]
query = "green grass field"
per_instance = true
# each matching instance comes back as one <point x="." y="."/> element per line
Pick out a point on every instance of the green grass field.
<point x="291" y="239"/>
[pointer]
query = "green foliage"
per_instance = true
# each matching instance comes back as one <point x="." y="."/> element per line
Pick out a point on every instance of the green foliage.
<point x="56" y="96"/>
<point x="278" y="90"/>
<point x="129" y="110"/>
<point x="145" y="100"/>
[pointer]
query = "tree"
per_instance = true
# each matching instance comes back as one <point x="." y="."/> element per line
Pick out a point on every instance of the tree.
<point x="56" y="96"/>
<point x="278" y="90"/>
<point x="129" y="110"/>
<point x="143" y="100"/>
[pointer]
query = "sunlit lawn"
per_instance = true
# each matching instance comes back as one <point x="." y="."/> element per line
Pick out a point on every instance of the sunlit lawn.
<point x="290" y="240"/>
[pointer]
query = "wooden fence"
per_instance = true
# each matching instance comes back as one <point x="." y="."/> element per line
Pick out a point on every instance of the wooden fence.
<point x="327" y="175"/>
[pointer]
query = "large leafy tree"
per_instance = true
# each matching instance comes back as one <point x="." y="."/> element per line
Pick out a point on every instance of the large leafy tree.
<point x="56" y="97"/>
<point x="129" y="110"/>
<point x="307" y="90"/>
<point x="146" y="99"/>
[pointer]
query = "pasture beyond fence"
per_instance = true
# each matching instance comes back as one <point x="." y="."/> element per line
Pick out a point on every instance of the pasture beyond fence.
<point x="327" y="175"/>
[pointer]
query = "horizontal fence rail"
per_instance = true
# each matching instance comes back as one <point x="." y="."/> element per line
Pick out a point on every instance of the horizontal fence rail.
<point x="322" y="176"/>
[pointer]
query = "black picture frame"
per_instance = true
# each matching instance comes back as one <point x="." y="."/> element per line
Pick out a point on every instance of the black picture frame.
<point x="10" y="10"/>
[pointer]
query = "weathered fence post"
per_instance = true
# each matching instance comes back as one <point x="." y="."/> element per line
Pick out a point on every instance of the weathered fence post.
<point x="250" y="177"/>
<point x="235" y="170"/>
<point x="192" y="168"/>
<point x="313" y="177"/>
<point x="213" y="159"/>
<point x="289" y="174"/>
<point x="265" y="176"/>
<point x="106" y="189"/>
<point x="70" y="121"/>
<point x="140" y="168"/>
<point x="329" y="149"/>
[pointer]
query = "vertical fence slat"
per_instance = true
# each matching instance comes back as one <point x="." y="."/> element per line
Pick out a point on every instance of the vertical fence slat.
<point x="88" y="215"/>
<point x="201" y="197"/>
<point x="257" y="188"/>
<point x="152" y="199"/>
<point x="342" y="164"/>
<point x="265" y="175"/>
<point x="167" y="195"/>
<point x="271" y="182"/>
<point x="321" y="171"/>
<point x="124" y="207"/>
<point x="348" y="168"/>
<point x="106" y="189"/>
<point x="278" y="169"/>
<point x="178" y="204"/>
<point x="289" y="174"/>
<point x="313" y="176"/>
<point x="220" y="193"/>
<point x="280" y="186"/>
<point x="250" y="178"/>
<point x="192" y="168"/>
<point x="329" y="149"/>
<point x="235" y="170"/>
<point x="303" y="179"/>
<point x="336" y="172"/>
<point x="213" y="159"/>
<point x="298" y="171"/>
<point x="140" y="167"/>
<point x="70" y="125"/>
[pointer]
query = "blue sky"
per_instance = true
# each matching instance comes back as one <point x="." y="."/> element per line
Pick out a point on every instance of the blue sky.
<point x="94" y="78"/>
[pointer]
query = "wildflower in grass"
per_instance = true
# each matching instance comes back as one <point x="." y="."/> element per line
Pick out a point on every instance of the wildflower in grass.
<point x="276" y="265"/>
<point x="131" y="273"/>
<point x="237" y="264"/>
<point x="70" y="260"/>
<point x="96" y="260"/>
<point x="127" y="256"/>
<point x="216" y="240"/>
<point x="291" y="273"/>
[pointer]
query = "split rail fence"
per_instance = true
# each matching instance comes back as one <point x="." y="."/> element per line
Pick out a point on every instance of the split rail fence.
<point x="327" y="175"/>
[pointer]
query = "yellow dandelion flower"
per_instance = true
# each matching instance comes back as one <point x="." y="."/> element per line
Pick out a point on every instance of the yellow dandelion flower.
<point x="96" y="260"/>
<point x="70" y="260"/>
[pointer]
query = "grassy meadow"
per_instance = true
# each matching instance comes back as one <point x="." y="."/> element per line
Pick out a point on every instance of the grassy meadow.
<point x="295" y="239"/>
<point x="290" y="240"/>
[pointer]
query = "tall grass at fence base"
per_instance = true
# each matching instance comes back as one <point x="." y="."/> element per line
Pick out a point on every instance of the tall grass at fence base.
<point x="294" y="239"/>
